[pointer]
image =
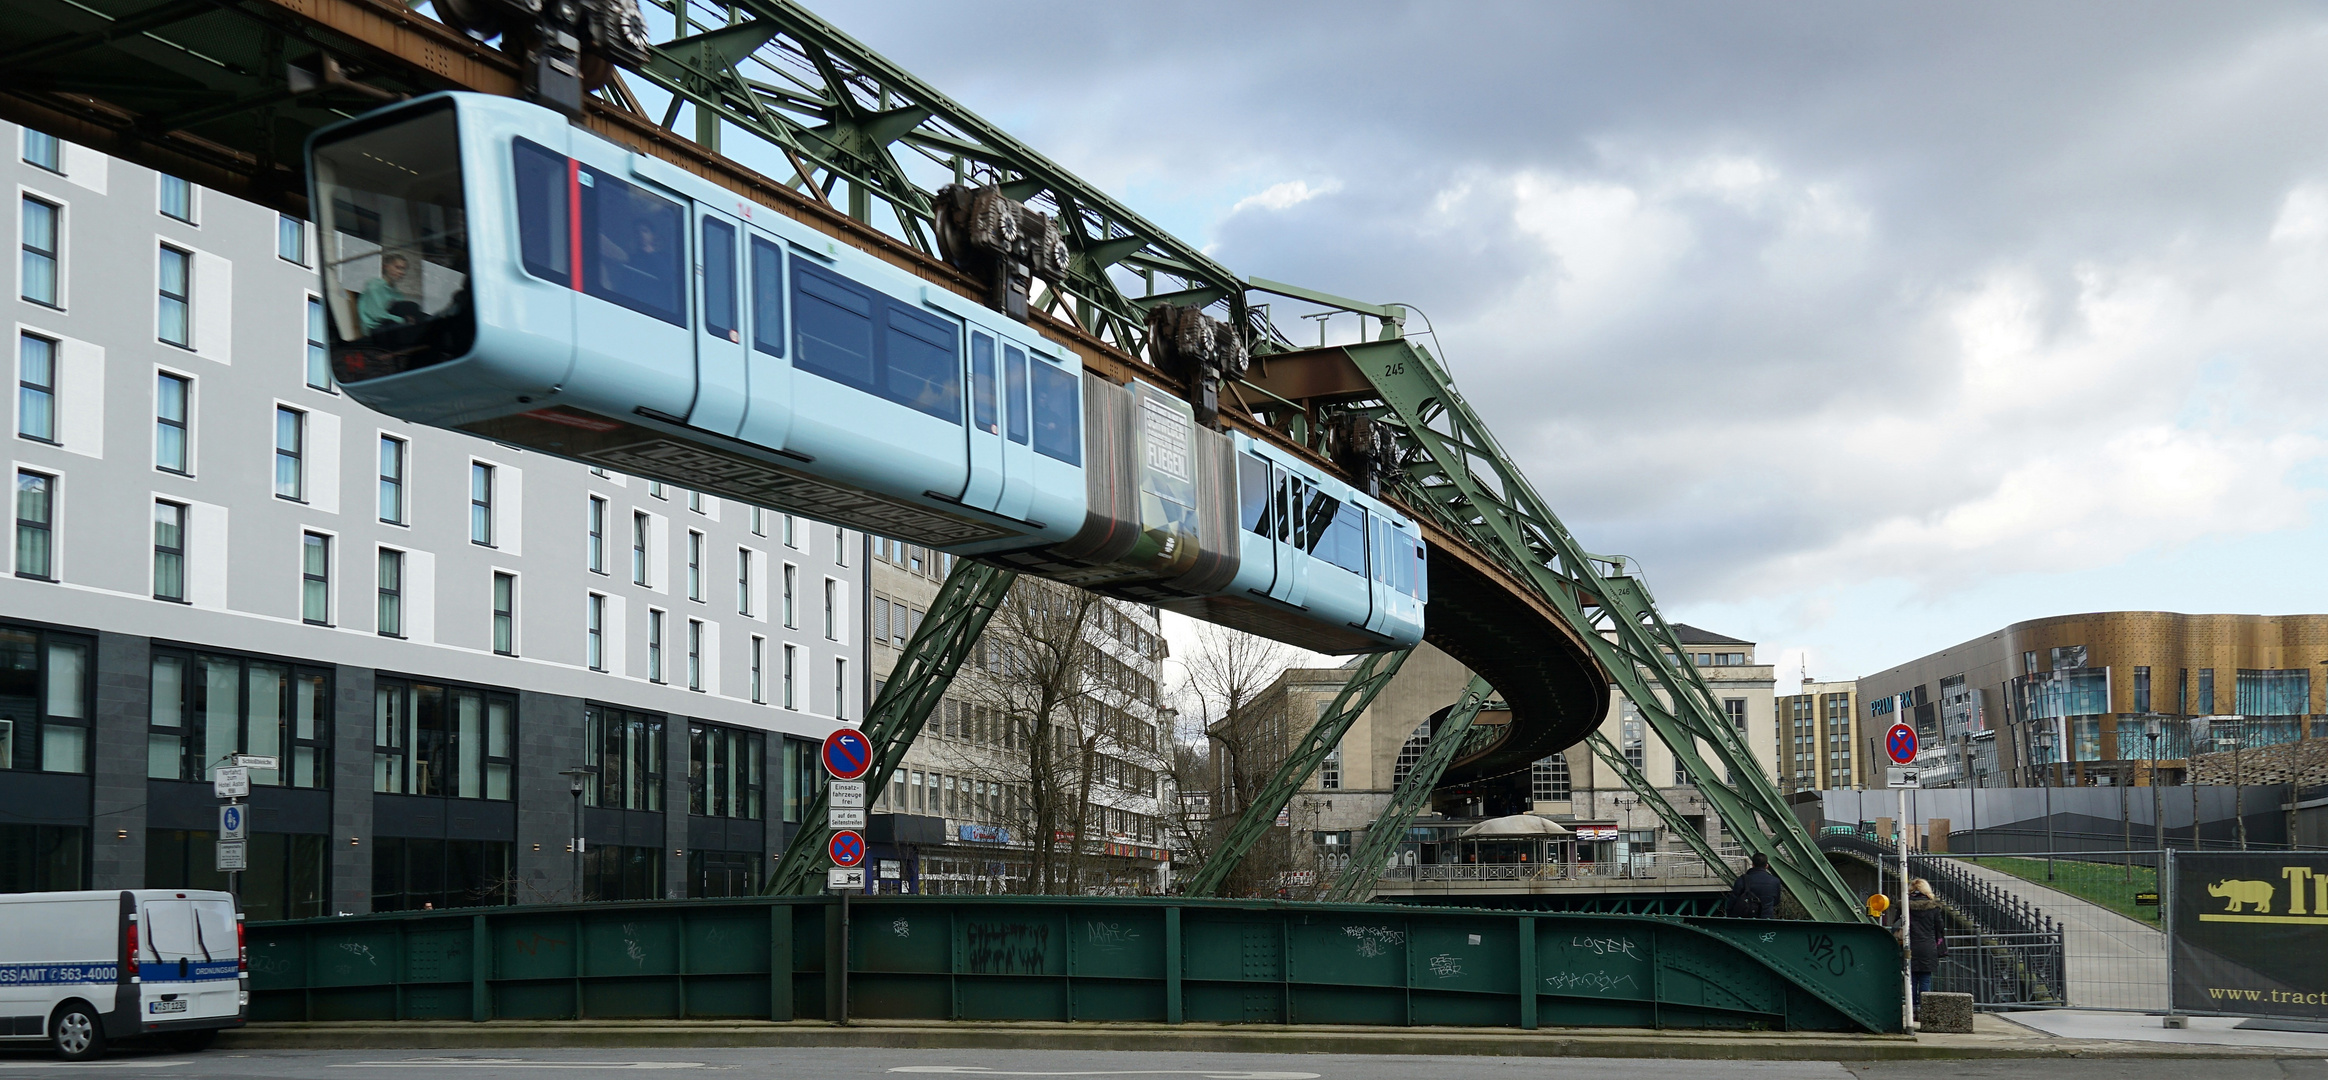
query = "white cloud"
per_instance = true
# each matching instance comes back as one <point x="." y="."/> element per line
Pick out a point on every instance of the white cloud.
<point x="1284" y="196"/>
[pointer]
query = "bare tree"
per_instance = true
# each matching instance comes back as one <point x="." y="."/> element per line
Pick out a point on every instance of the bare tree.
<point x="1229" y="681"/>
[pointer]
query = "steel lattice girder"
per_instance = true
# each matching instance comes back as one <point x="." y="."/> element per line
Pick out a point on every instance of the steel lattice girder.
<point x="1616" y="761"/>
<point x="1366" y="680"/>
<point x="1456" y="473"/>
<point x="843" y="114"/>
<point x="971" y="595"/>
<point x="1382" y="838"/>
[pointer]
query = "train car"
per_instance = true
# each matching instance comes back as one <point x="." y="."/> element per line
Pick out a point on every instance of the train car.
<point x="488" y="267"/>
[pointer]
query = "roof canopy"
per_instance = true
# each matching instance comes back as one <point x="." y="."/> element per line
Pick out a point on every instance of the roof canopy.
<point x="1515" y="825"/>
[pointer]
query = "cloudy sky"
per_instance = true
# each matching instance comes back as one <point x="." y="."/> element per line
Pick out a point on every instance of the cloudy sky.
<point x="1865" y="328"/>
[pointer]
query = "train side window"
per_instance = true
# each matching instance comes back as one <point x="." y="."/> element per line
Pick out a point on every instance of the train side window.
<point x="1419" y="567"/>
<point x="1377" y="542"/>
<point x="719" y="280"/>
<point x="982" y="405"/>
<point x="1288" y="508"/>
<point x="832" y="322"/>
<point x="1343" y="539"/>
<point x="1014" y="391"/>
<point x="1058" y="415"/>
<point x="1253" y="494"/>
<point x="634" y="247"/>
<point x="767" y="297"/>
<point x="924" y="367"/>
<point x="543" y="225"/>
<point x="1315" y="520"/>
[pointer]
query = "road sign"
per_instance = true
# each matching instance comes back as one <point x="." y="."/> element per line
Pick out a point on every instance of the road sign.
<point x="1900" y="777"/>
<point x="839" y="880"/>
<point x="847" y="848"/>
<point x="892" y="869"/>
<point x="231" y="782"/>
<point x="257" y="761"/>
<point x="846" y="794"/>
<point x="845" y="817"/>
<point x="234" y="822"/>
<point x="231" y="856"/>
<point x="847" y="756"/>
<point x="1900" y="743"/>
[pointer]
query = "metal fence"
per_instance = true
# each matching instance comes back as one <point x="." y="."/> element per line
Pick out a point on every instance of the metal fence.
<point x="2070" y="930"/>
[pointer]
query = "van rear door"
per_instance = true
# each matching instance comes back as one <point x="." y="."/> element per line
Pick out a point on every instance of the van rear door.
<point x="190" y="961"/>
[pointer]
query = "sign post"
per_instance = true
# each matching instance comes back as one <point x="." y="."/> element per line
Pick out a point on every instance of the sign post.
<point x="232" y="784"/>
<point x="1900" y="744"/>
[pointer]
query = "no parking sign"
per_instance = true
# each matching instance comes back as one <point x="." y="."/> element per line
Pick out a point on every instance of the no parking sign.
<point x="847" y="755"/>
<point x="847" y="847"/>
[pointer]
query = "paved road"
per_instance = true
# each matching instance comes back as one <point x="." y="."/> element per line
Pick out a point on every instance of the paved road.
<point x="829" y="1064"/>
<point x="2114" y="962"/>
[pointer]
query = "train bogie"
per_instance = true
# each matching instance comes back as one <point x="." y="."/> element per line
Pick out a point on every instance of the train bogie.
<point x="489" y="267"/>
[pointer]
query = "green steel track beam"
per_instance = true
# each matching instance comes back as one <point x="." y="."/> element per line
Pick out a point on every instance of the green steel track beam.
<point x="1382" y="838"/>
<point x="1371" y="675"/>
<point x="1456" y="473"/>
<point x="1655" y="800"/>
<point x="970" y="597"/>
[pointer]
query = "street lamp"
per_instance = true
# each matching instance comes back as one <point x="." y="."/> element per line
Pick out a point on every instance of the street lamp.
<point x="2238" y="792"/>
<point x="2157" y="797"/>
<point x="2044" y="738"/>
<point x="576" y="779"/>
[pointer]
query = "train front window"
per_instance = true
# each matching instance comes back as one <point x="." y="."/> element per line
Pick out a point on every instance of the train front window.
<point x="394" y="233"/>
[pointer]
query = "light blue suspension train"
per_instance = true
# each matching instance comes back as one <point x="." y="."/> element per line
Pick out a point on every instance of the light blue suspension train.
<point x="490" y="268"/>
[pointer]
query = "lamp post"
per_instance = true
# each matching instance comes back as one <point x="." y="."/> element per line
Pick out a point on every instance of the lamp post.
<point x="2044" y="739"/>
<point x="2157" y="797"/>
<point x="576" y="778"/>
<point x="2238" y="790"/>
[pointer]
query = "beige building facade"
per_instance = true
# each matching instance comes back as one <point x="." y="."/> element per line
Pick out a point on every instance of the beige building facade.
<point x="1817" y="742"/>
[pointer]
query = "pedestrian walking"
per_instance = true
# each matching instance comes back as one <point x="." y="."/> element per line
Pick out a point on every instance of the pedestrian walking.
<point x="1755" y="896"/>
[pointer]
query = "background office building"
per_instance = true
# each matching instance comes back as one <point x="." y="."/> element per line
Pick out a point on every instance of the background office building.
<point x="212" y="551"/>
<point x="1818" y="748"/>
<point x="2113" y="697"/>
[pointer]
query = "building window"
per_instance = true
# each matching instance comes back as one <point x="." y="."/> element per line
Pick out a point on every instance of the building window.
<point x="832" y="610"/>
<point x="791" y="659"/>
<point x="450" y="741"/>
<point x="174" y="322"/>
<point x="505" y="614"/>
<point x="724" y="771"/>
<point x="1635" y="746"/>
<point x="49" y="684"/>
<point x="176" y="198"/>
<point x="2265" y="692"/>
<point x="597" y="545"/>
<point x="35" y="524"/>
<point x="744" y="582"/>
<point x="173" y="444"/>
<point x="695" y="566"/>
<point x="628" y="750"/>
<point x="695" y="501"/>
<point x="759" y="522"/>
<point x="840" y="546"/>
<point x="480" y="503"/>
<point x="2141" y="689"/>
<point x="291" y="239"/>
<point x="654" y="645"/>
<point x="840" y="688"/>
<point x="1735" y="708"/>
<point x="2206" y="691"/>
<point x="1329" y="770"/>
<point x="318" y="357"/>
<point x="208" y="708"/>
<point x="36" y="387"/>
<point x="44" y="150"/>
<point x="639" y="548"/>
<point x="694" y="654"/>
<point x="791" y="609"/>
<point x="790" y="538"/>
<point x="759" y="661"/>
<point x="315" y="579"/>
<point x="655" y="488"/>
<point x="390" y="619"/>
<point x="595" y="619"/>
<point x="420" y="874"/>
<point x="392" y="479"/>
<point x="1548" y="780"/>
<point x="290" y="446"/>
<point x="169" y="551"/>
<point x="39" y="265"/>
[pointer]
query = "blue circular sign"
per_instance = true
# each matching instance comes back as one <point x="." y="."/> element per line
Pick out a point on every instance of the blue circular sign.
<point x="847" y="848"/>
<point x="1900" y="743"/>
<point x="231" y="818"/>
<point x="847" y="755"/>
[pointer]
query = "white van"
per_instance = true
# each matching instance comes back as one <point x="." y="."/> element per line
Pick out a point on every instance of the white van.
<point x="81" y="968"/>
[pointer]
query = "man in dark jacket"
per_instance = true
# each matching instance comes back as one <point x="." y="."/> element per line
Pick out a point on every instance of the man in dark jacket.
<point x="1755" y="896"/>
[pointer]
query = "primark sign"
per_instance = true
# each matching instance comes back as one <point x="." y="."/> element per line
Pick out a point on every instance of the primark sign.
<point x="2250" y="930"/>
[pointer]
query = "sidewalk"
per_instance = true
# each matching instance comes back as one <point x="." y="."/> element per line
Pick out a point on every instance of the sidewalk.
<point x="2203" y="1030"/>
<point x="2114" y="962"/>
<point x="1992" y="1038"/>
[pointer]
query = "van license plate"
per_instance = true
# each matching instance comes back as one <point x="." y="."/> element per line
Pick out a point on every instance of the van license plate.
<point x="166" y="1006"/>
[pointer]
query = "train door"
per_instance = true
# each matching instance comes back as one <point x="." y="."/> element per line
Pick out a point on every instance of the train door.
<point x="983" y="490"/>
<point x="768" y="418"/>
<point x="1256" y="491"/>
<point x="721" y="387"/>
<point x="1018" y="456"/>
<point x="1379" y="551"/>
<point x="1294" y="495"/>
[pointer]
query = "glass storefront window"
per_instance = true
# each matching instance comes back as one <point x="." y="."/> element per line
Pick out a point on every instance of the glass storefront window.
<point x="451" y="741"/>
<point x="614" y="872"/>
<point x="43" y="858"/>
<point x="45" y="686"/>
<point x="286" y="879"/>
<point x="724" y="771"/>
<point x="204" y="709"/>
<point x="415" y="874"/>
<point x="627" y="747"/>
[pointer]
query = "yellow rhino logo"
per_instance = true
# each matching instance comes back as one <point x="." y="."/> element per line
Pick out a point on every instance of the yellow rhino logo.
<point x="2238" y="894"/>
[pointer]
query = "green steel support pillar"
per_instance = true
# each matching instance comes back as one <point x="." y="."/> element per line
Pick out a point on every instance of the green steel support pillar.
<point x="1358" y="878"/>
<point x="969" y="598"/>
<point x="1368" y="680"/>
